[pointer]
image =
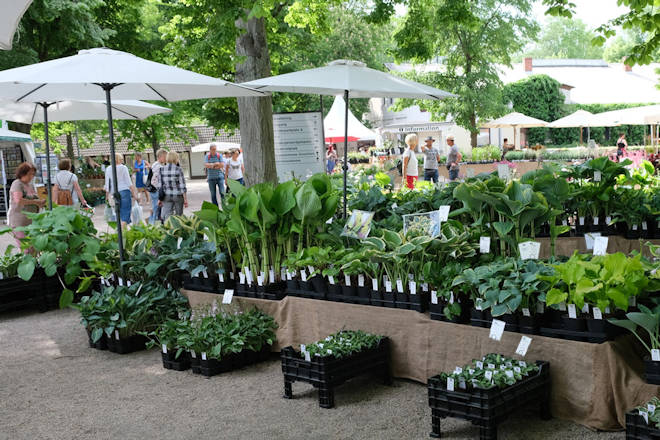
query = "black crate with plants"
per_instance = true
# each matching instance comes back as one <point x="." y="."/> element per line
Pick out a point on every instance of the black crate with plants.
<point x="117" y="317"/>
<point x="488" y="390"/>
<point x="330" y="362"/>
<point x="643" y="422"/>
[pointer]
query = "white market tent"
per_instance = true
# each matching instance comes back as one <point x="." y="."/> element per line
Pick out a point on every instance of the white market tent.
<point x="12" y="12"/>
<point x="515" y="120"/>
<point x="581" y="118"/>
<point x="333" y="124"/>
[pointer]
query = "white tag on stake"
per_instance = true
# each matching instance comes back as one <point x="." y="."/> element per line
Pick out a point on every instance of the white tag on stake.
<point x="529" y="250"/>
<point x="655" y="354"/>
<point x="434" y="297"/>
<point x="228" y="296"/>
<point x="597" y="313"/>
<point x="444" y="212"/>
<point x="450" y="384"/>
<point x="496" y="329"/>
<point x="600" y="245"/>
<point x="523" y="345"/>
<point x="572" y="313"/>
<point x="484" y="245"/>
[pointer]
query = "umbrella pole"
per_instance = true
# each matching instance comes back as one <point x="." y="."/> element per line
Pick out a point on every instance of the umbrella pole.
<point x="49" y="188"/>
<point x="113" y="163"/>
<point x="580" y="135"/>
<point x="345" y="148"/>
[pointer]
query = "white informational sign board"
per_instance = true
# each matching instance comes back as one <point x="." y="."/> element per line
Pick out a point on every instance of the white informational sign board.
<point x="42" y="171"/>
<point x="299" y="144"/>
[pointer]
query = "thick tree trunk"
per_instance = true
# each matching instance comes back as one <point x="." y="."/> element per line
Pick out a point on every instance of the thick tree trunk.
<point x="69" y="147"/>
<point x="473" y="134"/>
<point x="255" y="114"/>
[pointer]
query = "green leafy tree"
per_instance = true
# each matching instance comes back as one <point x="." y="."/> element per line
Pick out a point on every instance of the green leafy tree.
<point x="473" y="36"/>
<point x="618" y="48"/>
<point x="566" y="38"/>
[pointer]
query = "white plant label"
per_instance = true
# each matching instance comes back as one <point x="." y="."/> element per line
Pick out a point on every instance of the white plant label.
<point x="260" y="280"/>
<point x="645" y="226"/>
<point x="458" y="370"/>
<point x="399" y="286"/>
<point x="600" y="245"/>
<point x="608" y="220"/>
<point x="221" y="278"/>
<point x="120" y="280"/>
<point x="328" y="221"/>
<point x="228" y="296"/>
<point x="444" y="212"/>
<point x="562" y="306"/>
<point x="388" y="286"/>
<point x="585" y="308"/>
<point x="496" y="329"/>
<point x="590" y="238"/>
<point x="484" y="245"/>
<point x="451" y="297"/>
<point x="303" y="274"/>
<point x="488" y="374"/>
<point x="360" y="280"/>
<point x="203" y="355"/>
<point x="374" y="284"/>
<point x="596" y="221"/>
<point x="517" y="369"/>
<point x="597" y="313"/>
<point x="206" y="237"/>
<point x="164" y="348"/>
<point x="509" y="374"/>
<point x="347" y="280"/>
<point x="205" y="273"/>
<point x="522" y="364"/>
<point x="564" y="222"/>
<point x="232" y="276"/>
<point x="288" y="276"/>
<point x="450" y="384"/>
<point x="581" y="220"/>
<point x="193" y="354"/>
<point x="635" y="227"/>
<point x="526" y="312"/>
<point x="523" y="345"/>
<point x="650" y="407"/>
<point x="394" y="206"/>
<point x="529" y="250"/>
<point x="434" y="297"/>
<point x="248" y="275"/>
<point x="178" y="243"/>
<point x="271" y="276"/>
<point x="412" y="285"/>
<point x="645" y="415"/>
<point x="572" y="313"/>
<point x="117" y="334"/>
<point x="308" y="357"/>
<point x="655" y="354"/>
<point x="241" y="278"/>
<point x="503" y="171"/>
<point x="331" y="279"/>
<point x="425" y="287"/>
<point x="128" y="283"/>
<point x="480" y="365"/>
<point x="491" y="366"/>
<point x="598" y="176"/>
<point x="303" y="348"/>
<point x="310" y="269"/>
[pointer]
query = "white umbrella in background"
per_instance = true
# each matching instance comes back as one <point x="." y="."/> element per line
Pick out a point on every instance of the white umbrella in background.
<point x="348" y="78"/>
<point x="31" y="113"/>
<point x="515" y="120"/>
<point x="99" y="74"/>
<point x="581" y="118"/>
<point x="222" y="147"/>
<point x="12" y="12"/>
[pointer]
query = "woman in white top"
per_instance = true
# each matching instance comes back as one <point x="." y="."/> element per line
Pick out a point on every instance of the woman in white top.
<point x="410" y="168"/>
<point x="234" y="169"/>
<point x="125" y="188"/>
<point x="66" y="189"/>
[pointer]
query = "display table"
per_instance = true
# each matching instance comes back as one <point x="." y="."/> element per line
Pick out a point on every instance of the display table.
<point x="567" y="245"/>
<point x="592" y="384"/>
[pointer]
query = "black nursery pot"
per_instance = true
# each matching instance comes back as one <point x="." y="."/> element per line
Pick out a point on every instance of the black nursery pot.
<point x="632" y="234"/>
<point x="292" y="285"/>
<point x="528" y="324"/>
<point x="335" y="293"/>
<point x="652" y="371"/>
<point x="574" y="324"/>
<point x="319" y="284"/>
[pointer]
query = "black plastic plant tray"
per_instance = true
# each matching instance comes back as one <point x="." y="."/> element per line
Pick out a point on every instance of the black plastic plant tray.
<point x="275" y="291"/>
<point x="638" y="429"/>
<point x="651" y="371"/>
<point x="127" y="345"/>
<point x="325" y="373"/>
<point x="436" y="312"/>
<point x="233" y="361"/>
<point x="101" y="344"/>
<point x="40" y="292"/>
<point x="582" y="336"/>
<point x="246" y="290"/>
<point x="171" y="362"/>
<point x="487" y="408"/>
<point x="209" y="285"/>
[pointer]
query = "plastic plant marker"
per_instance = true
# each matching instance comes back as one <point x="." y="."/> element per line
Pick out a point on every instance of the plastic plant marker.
<point x="444" y="212"/>
<point x="228" y="296"/>
<point x="484" y="245"/>
<point x="597" y="313"/>
<point x="572" y="312"/>
<point x="434" y="297"/>
<point x="600" y="245"/>
<point x="497" y="329"/>
<point x="529" y="250"/>
<point x="655" y="354"/>
<point x="523" y="345"/>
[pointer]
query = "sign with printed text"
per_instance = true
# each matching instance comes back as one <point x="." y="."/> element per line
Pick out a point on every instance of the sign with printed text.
<point x="600" y="245"/>
<point x="503" y="171"/>
<point x="529" y="250"/>
<point x="497" y="329"/>
<point x="299" y="144"/>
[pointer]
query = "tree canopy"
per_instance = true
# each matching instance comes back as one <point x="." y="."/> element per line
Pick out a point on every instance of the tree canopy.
<point x="565" y="38"/>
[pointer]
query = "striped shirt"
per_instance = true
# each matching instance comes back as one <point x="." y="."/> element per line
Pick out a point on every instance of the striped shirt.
<point x="212" y="173"/>
<point x="172" y="179"/>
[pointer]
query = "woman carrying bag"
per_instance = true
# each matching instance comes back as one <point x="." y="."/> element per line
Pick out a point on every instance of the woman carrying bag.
<point x="172" y="194"/>
<point x="66" y="189"/>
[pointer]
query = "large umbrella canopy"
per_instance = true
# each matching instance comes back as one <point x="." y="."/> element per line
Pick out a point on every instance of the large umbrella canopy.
<point x="515" y="120"/>
<point x="352" y="78"/>
<point x="12" y="12"/>
<point x="581" y="118"/>
<point x="222" y="147"/>
<point x="32" y="113"/>
<point x="645" y="115"/>
<point x="333" y="124"/>
<point x="100" y="74"/>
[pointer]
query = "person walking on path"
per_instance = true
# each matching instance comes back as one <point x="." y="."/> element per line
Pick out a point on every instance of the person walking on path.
<point x="23" y="198"/>
<point x="124" y="186"/>
<point x="154" y="184"/>
<point x="453" y="158"/>
<point x="331" y="159"/>
<point x="235" y="168"/>
<point x="66" y="189"/>
<point x="215" y="173"/>
<point x="621" y="146"/>
<point x="431" y="160"/>
<point x="410" y="168"/>
<point x="174" y="190"/>
<point x="139" y="167"/>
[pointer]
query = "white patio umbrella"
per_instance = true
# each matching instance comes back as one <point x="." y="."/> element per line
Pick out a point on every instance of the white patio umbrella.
<point x="644" y="115"/>
<point x="348" y="78"/>
<point x="30" y="113"/>
<point x="221" y="146"/>
<point x="96" y="74"/>
<point x="12" y="12"/>
<point x="515" y="120"/>
<point x="581" y="118"/>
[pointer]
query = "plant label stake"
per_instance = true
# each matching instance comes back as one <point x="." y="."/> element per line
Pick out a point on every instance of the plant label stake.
<point x="596" y="221"/>
<point x="488" y="374"/>
<point x="600" y="245"/>
<point x="412" y="286"/>
<point x="645" y="226"/>
<point x="450" y="384"/>
<point x="227" y="297"/>
<point x="360" y="280"/>
<point x="572" y="312"/>
<point x="529" y="250"/>
<point x="650" y="407"/>
<point x="434" y="297"/>
<point x="347" y="280"/>
<point x="388" y="286"/>
<point x="117" y="334"/>
<point x="120" y="281"/>
<point x="597" y="313"/>
<point x="608" y="220"/>
<point x="484" y="245"/>
<point x="271" y="276"/>
<point x="655" y="354"/>
<point x="590" y="238"/>
<point x="444" y="213"/>
<point x="165" y="348"/>
<point x="241" y="278"/>
<point x="221" y="278"/>
<point x="331" y="279"/>
<point x="480" y="365"/>
<point x="585" y="308"/>
<point x="374" y="284"/>
<point x="598" y="176"/>
<point x="399" y="285"/>
<point x="526" y="312"/>
<point x="203" y="355"/>
<point x="503" y="171"/>
<point x="645" y="415"/>
<point x="205" y="273"/>
<point x="523" y="345"/>
<point x="496" y="329"/>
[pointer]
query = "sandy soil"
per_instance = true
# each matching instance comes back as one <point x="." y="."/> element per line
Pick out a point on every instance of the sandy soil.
<point x="52" y="386"/>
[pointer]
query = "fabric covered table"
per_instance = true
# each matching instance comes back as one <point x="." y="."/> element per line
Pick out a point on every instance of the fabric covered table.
<point x="567" y="245"/>
<point x="592" y="384"/>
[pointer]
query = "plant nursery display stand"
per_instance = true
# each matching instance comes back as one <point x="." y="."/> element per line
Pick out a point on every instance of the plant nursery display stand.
<point x="325" y="373"/>
<point x="487" y="408"/>
<point x="592" y="384"/>
<point x="638" y="429"/>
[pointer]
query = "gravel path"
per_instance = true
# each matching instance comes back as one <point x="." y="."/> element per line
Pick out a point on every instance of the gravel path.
<point x="52" y="386"/>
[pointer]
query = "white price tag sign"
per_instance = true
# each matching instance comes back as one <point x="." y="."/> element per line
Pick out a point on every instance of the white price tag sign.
<point x="399" y="286"/>
<point x="164" y="347"/>
<point x="597" y="313"/>
<point x="388" y="286"/>
<point x="572" y="312"/>
<point x="303" y="274"/>
<point x="496" y="329"/>
<point x="374" y="284"/>
<point x="347" y="280"/>
<point x="412" y="285"/>
<point x="529" y="250"/>
<point x="655" y="354"/>
<point x="203" y="355"/>
<point x="271" y="276"/>
<point x="645" y="415"/>
<point x="598" y="176"/>
<point x="526" y="312"/>
<point x="331" y="279"/>
<point x="450" y="384"/>
<point x="503" y="171"/>
<point x="444" y="212"/>
<point x="484" y="245"/>
<point x="360" y="280"/>
<point x="523" y="345"/>
<point x="228" y="296"/>
<point x="434" y="297"/>
<point x="600" y="245"/>
<point x="589" y="239"/>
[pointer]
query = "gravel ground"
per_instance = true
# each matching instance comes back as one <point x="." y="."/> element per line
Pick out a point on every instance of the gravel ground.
<point x="53" y="386"/>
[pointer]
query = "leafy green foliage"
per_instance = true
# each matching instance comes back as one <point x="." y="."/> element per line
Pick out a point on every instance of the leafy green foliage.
<point x="646" y="319"/>
<point x="503" y="372"/>
<point x="565" y="38"/>
<point x="342" y="344"/>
